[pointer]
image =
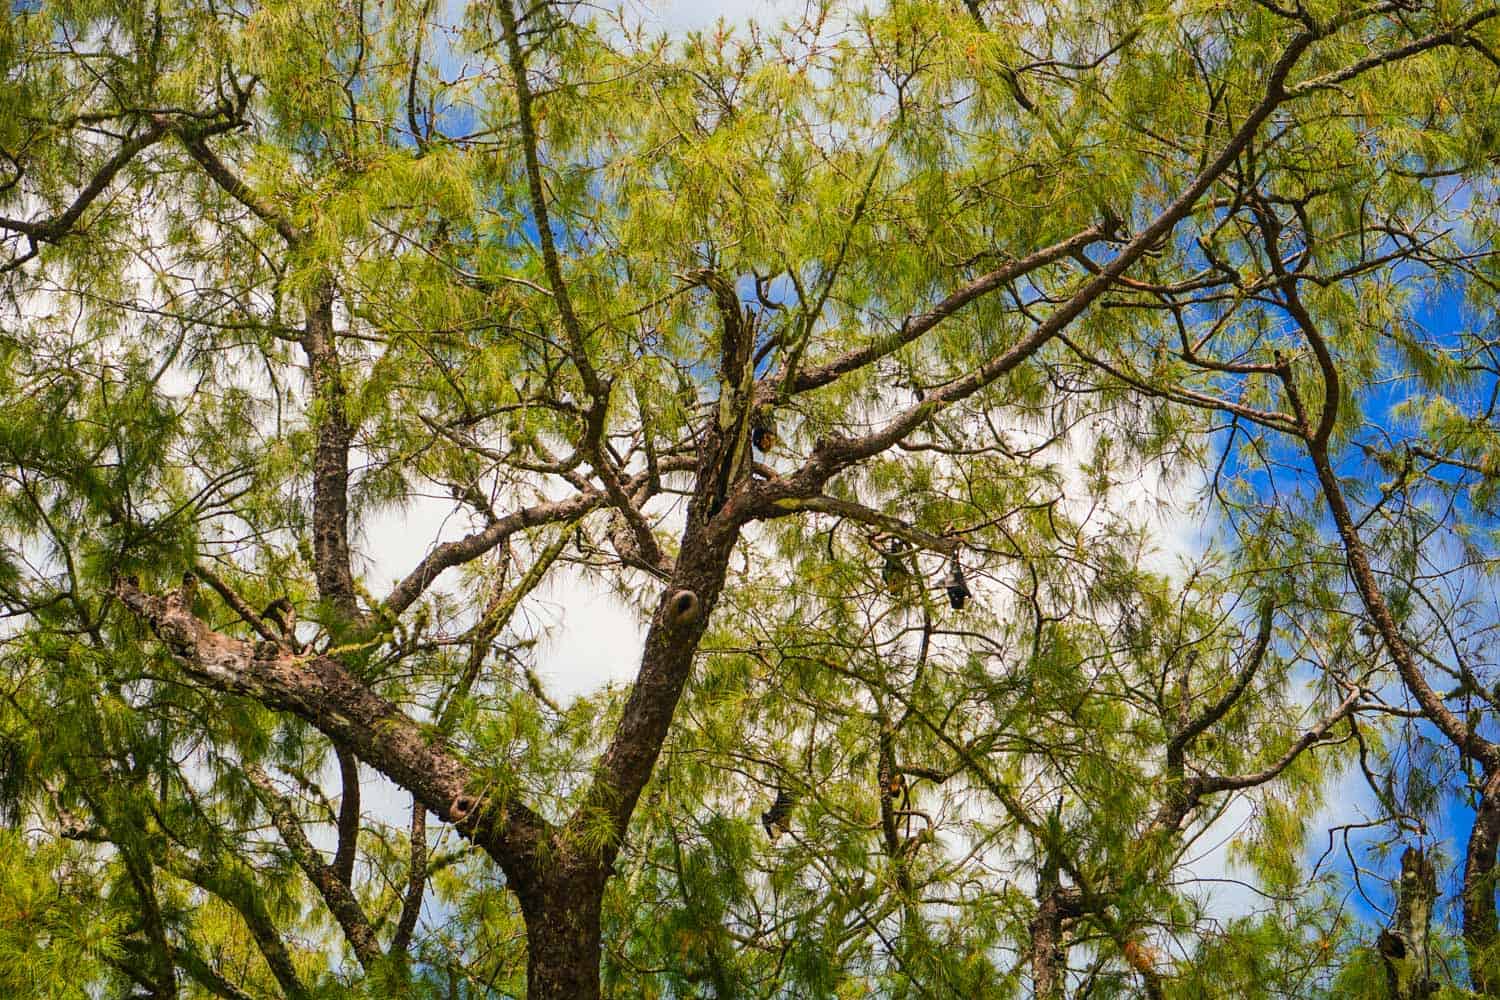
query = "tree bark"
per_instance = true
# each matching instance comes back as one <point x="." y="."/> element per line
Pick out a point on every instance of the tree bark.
<point x="1404" y="945"/>
<point x="1049" y="936"/>
<point x="560" y="885"/>
<point x="563" y="941"/>
<point x="331" y="562"/>
<point x="1481" y="926"/>
<point x="320" y="690"/>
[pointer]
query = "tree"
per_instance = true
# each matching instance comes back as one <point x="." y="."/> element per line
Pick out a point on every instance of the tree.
<point x="766" y="330"/>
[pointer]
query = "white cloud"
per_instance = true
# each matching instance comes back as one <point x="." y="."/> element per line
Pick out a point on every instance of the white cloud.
<point x="597" y="639"/>
<point x="592" y="637"/>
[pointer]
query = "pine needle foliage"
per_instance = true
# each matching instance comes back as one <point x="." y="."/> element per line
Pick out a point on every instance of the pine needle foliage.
<point x="351" y="353"/>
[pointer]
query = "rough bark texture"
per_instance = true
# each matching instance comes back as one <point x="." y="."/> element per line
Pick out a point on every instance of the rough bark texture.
<point x="1404" y="945"/>
<point x="336" y="892"/>
<point x="563" y="937"/>
<point x="558" y="882"/>
<point x="1049" y="940"/>
<point x="671" y="644"/>
<point x="330" y="459"/>
<point x="319" y="690"/>
<point x="416" y="883"/>
<point x="343" y="859"/>
<point x="1481" y="926"/>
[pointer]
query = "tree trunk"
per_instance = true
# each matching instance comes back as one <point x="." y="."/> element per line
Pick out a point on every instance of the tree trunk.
<point x="1481" y="926"/>
<point x="563" y="938"/>
<point x="1049" y="937"/>
<point x="1404" y="945"/>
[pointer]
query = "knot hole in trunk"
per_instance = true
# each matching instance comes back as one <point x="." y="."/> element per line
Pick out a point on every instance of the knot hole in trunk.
<point x="683" y="608"/>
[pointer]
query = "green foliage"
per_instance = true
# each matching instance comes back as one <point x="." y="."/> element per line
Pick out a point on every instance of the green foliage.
<point x="52" y="937"/>
<point x="1165" y="650"/>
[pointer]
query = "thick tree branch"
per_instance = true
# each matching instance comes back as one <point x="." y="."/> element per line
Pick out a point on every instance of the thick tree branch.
<point x="1056" y="905"/>
<point x="416" y="883"/>
<point x="229" y="880"/>
<point x="1404" y="946"/>
<point x="1362" y="573"/>
<point x="916" y="325"/>
<point x="206" y="976"/>
<point x="332" y="560"/>
<point x="671" y="644"/>
<point x="1481" y="925"/>
<point x="237" y="189"/>
<point x="319" y="690"/>
<point x="349" y="815"/>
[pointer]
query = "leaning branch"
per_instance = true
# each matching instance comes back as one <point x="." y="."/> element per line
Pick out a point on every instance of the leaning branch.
<point x="320" y="690"/>
<point x="336" y="893"/>
<point x="237" y="189"/>
<point x="1175" y="809"/>
<point x="875" y="519"/>
<point x="917" y="325"/>
<point x="1217" y="710"/>
<point x="456" y="553"/>
<point x="52" y="230"/>
<point x="228" y="879"/>
<point x="596" y="387"/>
<point x="832" y="456"/>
